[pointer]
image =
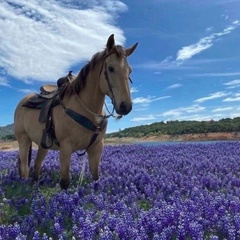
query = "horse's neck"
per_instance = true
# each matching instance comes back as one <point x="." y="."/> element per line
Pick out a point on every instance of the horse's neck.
<point x="90" y="99"/>
<point x="91" y="95"/>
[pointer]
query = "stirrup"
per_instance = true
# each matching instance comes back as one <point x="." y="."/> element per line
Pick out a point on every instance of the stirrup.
<point x="46" y="141"/>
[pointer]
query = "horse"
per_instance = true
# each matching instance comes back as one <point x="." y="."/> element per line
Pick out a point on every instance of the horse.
<point x="78" y="119"/>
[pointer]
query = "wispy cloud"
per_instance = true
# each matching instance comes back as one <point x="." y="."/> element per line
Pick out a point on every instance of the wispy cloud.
<point x="177" y="85"/>
<point x="234" y="98"/>
<point x="142" y="108"/>
<point x="187" y="52"/>
<point x="204" y="43"/>
<point x="222" y="109"/>
<point x="211" y="97"/>
<point x="27" y="90"/>
<point x="191" y="50"/>
<point x="171" y="64"/>
<point x="209" y="29"/>
<point x="177" y="112"/>
<point x="143" y="118"/>
<point x="43" y="39"/>
<point x="148" y="99"/>
<point x="233" y="84"/>
<point x="224" y="74"/>
<point x="4" y="82"/>
<point x="200" y="117"/>
<point x="167" y="64"/>
<point x="133" y="90"/>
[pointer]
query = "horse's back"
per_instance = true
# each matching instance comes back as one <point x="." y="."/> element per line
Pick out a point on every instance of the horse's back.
<point x="20" y="110"/>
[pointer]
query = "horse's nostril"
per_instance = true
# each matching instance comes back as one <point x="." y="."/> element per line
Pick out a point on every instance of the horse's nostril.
<point x="124" y="108"/>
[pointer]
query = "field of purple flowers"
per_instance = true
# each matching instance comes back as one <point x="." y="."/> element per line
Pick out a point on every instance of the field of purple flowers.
<point x="178" y="191"/>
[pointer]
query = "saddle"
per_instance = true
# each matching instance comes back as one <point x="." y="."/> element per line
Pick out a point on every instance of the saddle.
<point x="49" y="97"/>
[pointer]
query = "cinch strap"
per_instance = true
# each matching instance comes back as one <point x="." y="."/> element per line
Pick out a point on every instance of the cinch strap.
<point x="82" y="120"/>
<point x="85" y="122"/>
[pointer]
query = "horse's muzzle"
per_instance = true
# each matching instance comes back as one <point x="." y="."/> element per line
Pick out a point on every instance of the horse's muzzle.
<point x="124" y="108"/>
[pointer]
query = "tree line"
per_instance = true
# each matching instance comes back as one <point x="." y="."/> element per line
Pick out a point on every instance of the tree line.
<point x="163" y="128"/>
<point x="179" y="127"/>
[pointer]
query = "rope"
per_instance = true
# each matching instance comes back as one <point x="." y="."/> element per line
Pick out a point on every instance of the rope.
<point x="111" y="113"/>
<point x="82" y="173"/>
<point x="98" y="117"/>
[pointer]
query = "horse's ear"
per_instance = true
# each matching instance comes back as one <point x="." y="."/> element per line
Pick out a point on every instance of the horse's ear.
<point x="110" y="43"/>
<point x="129" y="51"/>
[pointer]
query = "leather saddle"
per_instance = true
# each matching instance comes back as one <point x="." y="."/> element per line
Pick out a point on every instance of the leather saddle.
<point x="49" y="97"/>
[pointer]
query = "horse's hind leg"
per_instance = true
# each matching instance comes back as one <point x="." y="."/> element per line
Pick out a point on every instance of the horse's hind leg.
<point x="41" y="154"/>
<point x="25" y="144"/>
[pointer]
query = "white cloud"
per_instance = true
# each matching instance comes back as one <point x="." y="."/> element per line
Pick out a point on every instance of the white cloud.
<point x="147" y="100"/>
<point x="232" y="99"/>
<point x="133" y="90"/>
<point x="143" y="108"/>
<point x="229" y="74"/>
<point x="204" y="43"/>
<point x="43" y="39"/>
<point x="209" y="29"/>
<point x="223" y="109"/>
<point x="166" y="64"/>
<point x="26" y="90"/>
<point x="198" y="117"/>
<point x="177" y="85"/>
<point x="143" y="118"/>
<point x="191" y="50"/>
<point x="211" y="97"/>
<point x="233" y="83"/>
<point x="177" y="112"/>
<point x="4" y="82"/>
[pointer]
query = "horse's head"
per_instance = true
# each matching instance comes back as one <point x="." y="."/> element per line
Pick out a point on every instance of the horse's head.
<point x="114" y="76"/>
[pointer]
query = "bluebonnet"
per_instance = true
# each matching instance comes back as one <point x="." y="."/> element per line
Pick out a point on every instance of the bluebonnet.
<point x="180" y="191"/>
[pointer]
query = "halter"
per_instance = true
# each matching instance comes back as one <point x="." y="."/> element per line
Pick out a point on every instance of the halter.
<point x="110" y="86"/>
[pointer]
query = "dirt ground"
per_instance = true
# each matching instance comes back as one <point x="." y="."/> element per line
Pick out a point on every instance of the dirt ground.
<point x="13" y="145"/>
<point x="181" y="137"/>
<point x="10" y="145"/>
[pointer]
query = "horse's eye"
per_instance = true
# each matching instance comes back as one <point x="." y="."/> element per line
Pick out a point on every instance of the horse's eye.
<point x="110" y="69"/>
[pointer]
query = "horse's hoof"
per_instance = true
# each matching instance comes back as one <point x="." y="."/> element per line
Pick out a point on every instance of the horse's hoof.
<point x="96" y="185"/>
<point x="64" y="183"/>
<point x="34" y="176"/>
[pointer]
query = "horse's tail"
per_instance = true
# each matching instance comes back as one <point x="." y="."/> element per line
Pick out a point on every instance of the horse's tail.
<point x="29" y="155"/>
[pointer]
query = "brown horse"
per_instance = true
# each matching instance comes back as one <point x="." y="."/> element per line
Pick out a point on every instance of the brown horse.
<point x="106" y="74"/>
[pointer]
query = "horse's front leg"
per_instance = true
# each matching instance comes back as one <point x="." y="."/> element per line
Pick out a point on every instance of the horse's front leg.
<point x="65" y="158"/>
<point x="94" y="154"/>
<point x="41" y="154"/>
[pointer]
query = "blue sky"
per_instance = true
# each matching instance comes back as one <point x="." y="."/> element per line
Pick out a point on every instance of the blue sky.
<point x="186" y="66"/>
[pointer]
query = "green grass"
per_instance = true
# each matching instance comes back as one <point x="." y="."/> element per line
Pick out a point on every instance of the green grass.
<point x="144" y="205"/>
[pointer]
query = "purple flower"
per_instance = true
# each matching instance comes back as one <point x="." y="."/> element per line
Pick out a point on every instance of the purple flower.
<point x="184" y="191"/>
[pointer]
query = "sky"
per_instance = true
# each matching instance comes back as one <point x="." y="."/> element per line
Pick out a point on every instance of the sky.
<point x="186" y="65"/>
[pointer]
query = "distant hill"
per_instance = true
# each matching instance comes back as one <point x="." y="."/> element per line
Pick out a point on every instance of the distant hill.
<point x="6" y="131"/>
<point x="179" y="127"/>
<point x="161" y="128"/>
